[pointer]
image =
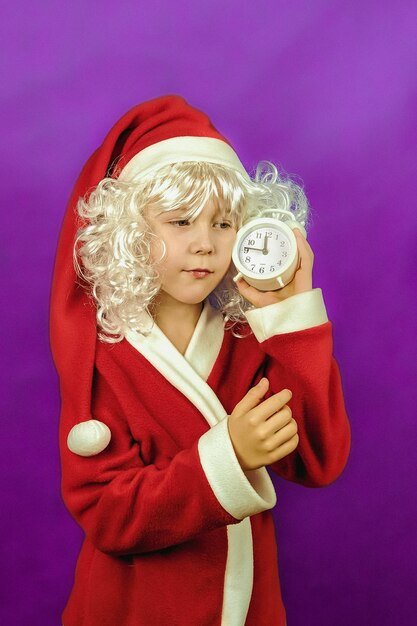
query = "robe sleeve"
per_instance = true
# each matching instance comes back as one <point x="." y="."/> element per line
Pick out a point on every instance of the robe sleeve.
<point x="296" y="337"/>
<point x="127" y="507"/>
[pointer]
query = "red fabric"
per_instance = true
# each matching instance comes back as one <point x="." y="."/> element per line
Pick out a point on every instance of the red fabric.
<point x="156" y="539"/>
<point x="73" y="326"/>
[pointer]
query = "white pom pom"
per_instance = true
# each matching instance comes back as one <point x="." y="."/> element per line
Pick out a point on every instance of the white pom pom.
<point x="89" y="438"/>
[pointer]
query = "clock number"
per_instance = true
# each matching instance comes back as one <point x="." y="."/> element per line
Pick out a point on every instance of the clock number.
<point x="261" y="270"/>
<point x="282" y="244"/>
<point x="269" y="233"/>
<point x="258" y="235"/>
<point x="272" y="268"/>
<point x="284" y="253"/>
<point x="251" y="242"/>
<point x="245" y="250"/>
<point x="247" y="259"/>
<point x="253" y="267"/>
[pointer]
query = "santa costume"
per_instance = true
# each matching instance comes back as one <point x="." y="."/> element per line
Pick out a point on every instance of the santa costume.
<point x="176" y="533"/>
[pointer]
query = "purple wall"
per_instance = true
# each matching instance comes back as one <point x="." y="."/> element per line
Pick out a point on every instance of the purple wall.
<point x="327" y="89"/>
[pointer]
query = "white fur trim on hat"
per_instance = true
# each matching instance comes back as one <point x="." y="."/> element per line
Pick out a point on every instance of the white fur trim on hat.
<point x="88" y="438"/>
<point x="179" y="150"/>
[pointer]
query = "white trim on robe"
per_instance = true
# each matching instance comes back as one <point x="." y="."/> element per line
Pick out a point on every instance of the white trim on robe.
<point x="240" y="493"/>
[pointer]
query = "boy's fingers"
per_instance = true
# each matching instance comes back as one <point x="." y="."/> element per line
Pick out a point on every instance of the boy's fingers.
<point x="282" y="434"/>
<point x="282" y="421"/>
<point x="304" y="248"/>
<point x="288" y="446"/>
<point x="272" y="405"/>
<point x="252" y="398"/>
<point x="297" y="232"/>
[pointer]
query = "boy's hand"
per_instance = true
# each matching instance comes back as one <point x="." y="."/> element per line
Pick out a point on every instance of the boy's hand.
<point x="302" y="281"/>
<point x="262" y="431"/>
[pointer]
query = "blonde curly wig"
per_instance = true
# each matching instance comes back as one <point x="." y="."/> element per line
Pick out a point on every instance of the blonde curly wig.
<point x="112" y="251"/>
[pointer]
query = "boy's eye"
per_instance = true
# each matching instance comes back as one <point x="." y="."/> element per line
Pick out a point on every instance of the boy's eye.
<point x="180" y="222"/>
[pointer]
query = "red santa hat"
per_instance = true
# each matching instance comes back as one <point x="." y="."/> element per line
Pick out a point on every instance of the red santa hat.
<point x="156" y="133"/>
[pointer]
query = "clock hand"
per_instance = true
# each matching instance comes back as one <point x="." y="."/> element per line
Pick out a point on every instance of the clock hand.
<point x="265" y="248"/>
<point x="249" y="248"/>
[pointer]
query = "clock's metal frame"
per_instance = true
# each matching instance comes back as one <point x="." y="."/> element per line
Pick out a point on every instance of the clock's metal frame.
<point x="284" y="274"/>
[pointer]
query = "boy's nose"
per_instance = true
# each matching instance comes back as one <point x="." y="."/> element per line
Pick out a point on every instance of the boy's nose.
<point x="202" y="242"/>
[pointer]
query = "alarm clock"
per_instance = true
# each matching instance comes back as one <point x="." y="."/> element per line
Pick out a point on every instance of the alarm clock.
<point x="265" y="252"/>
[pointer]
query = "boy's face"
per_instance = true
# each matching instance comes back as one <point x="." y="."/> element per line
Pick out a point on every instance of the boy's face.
<point x="198" y="253"/>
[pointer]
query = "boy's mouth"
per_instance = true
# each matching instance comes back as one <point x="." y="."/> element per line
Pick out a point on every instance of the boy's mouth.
<point x="199" y="272"/>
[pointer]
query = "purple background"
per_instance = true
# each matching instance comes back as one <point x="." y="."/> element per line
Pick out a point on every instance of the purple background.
<point x="326" y="89"/>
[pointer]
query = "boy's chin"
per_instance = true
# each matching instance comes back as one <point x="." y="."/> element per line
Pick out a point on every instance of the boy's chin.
<point x="189" y="299"/>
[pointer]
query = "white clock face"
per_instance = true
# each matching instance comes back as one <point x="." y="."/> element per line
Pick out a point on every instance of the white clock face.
<point x="265" y="251"/>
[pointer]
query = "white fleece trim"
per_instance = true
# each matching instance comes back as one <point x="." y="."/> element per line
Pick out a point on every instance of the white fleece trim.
<point x="207" y="339"/>
<point x="255" y="487"/>
<point x="304" y="310"/>
<point x="165" y="357"/>
<point x="238" y="575"/>
<point x="240" y="493"/>
<point x="178" y="150"/>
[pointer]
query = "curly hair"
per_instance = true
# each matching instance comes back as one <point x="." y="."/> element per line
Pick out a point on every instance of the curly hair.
<point x="112" y="251"/>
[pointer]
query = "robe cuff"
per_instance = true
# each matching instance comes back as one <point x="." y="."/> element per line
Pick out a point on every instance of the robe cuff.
<point x="304" y="310"/>
<point x="241" y="493"/>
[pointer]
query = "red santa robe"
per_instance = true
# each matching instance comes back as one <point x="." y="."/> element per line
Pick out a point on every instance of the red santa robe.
<point x="176" y="532"/>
